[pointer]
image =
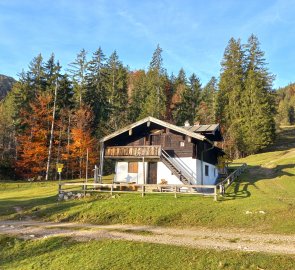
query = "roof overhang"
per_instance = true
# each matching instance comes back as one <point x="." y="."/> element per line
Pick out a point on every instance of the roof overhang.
<point x="159" y="122"/>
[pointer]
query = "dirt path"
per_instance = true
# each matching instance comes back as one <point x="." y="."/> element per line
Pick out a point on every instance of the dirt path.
<point x="196" y="238"/>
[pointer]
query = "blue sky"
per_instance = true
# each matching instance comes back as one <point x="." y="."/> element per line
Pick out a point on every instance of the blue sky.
<point x="193" y="34"/>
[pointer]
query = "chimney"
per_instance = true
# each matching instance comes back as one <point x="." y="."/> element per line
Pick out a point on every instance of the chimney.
<point x="186" y="123"/>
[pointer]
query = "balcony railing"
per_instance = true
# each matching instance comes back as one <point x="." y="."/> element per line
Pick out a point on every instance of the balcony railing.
<point x="133" y="151"/>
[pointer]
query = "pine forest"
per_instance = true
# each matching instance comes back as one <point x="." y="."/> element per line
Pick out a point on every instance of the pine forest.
<point x="56" y="114"/>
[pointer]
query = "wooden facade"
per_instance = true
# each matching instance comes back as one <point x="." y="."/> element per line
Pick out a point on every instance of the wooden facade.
<point x="133" y="151"/>
<point x="149" y="143"/>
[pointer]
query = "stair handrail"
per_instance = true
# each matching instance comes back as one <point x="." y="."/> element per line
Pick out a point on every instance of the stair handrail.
<point x="179" y="166"/>
<point x="185" y="166"/>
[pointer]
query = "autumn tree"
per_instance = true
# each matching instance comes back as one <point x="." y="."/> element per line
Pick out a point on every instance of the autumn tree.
<point x="33" y="142"/>
<point x="81" y="142"/>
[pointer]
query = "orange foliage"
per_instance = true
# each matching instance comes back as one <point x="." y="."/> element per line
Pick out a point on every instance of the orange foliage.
<point x="33" y="143"/>
<point x="81" y="140"/>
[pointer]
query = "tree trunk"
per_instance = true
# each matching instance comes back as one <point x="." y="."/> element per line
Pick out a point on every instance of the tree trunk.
<point x="51" y="134"/>
<point x="58" y="149"/>
<point x="68" y="145"/>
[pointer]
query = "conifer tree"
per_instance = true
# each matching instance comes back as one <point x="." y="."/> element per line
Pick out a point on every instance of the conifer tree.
<point x="137" y="88"/>
<point x="229" y="99"/>
<point x="78" y="70"/>
<point x="155" y="103"/>
<point x="7" y="136"/>
<point x="206" y="112"/>
<point x="96" y="94"/>
<point x="258" y="103"/>
<point x="36" y="76"/>
<point x="116" y="89"/>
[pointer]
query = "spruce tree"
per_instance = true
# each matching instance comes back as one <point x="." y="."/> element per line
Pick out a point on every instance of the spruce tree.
<point x="156" y="101"/>
<point x="116" y="89"/>
<point x="208" y="98"/>
<point x="36" y="76"/>
<point x="229" y="98"/>
<point x="258" y="103"/>
<point x="186" y="98"/>
<point x="137" y="87"/>
<point x="78" y="70"/>
<point x="96" y="95"/>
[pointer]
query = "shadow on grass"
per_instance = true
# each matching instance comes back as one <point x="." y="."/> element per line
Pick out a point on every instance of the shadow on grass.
<point x="37" y="207"/>
<point x="240" y="188"/>
<point x="284" y="141"/>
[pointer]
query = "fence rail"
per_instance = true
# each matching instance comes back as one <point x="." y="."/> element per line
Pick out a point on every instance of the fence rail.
<point x="226" y="183"/>
<point x="205" y="190"/>
<point x="142" y="188"/>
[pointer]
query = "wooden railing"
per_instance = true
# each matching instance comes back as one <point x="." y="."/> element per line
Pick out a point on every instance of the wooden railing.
<point x="208" y="190"/>
<point x="224" y="184"/>
<point x="204" y="190"/>
<point x="133" y="151"/>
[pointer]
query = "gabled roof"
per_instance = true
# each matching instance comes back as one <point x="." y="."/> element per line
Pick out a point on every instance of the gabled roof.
<point x="159" y="122"/>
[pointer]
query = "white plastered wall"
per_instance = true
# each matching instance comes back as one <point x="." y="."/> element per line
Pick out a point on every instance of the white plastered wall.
<point x="163" y="172"/>
<point x="122" y="174"/>
<point x="212" y="173"/>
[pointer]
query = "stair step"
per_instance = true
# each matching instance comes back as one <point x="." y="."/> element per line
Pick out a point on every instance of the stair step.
<point x="175" y="171"/>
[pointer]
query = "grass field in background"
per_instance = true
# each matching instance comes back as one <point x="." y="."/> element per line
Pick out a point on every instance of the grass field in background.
<point x="64" y="253"/>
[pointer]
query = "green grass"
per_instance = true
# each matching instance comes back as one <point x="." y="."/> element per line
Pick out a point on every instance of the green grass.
<point x="64" y="253"/>
<point x="268" y="186"/>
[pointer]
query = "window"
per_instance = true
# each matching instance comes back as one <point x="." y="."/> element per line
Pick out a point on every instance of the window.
<point x="206" y="170"/>
<point x="181" y="144"/>
<point x="132" y="167"/>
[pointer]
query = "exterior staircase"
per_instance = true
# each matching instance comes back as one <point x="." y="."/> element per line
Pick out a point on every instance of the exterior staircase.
<point x="179" y="169"/>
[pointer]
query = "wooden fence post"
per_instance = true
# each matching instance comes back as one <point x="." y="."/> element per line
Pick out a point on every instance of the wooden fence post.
<point x="215" y="193"/>
<point x="59" y="190"/>
<point x="84" y="188"/>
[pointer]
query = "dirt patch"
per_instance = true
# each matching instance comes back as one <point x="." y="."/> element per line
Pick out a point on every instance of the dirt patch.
<point x="20" y="211"/>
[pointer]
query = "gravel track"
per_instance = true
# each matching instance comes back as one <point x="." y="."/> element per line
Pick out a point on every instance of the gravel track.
<point x="196" y="238"/>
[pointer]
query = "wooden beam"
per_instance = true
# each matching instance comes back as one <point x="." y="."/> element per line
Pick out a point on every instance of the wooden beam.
<point x="101" y="161"/>
<point x="143" y="187"/>
<point x="148" y="123"/>
<point x="130" y="131"/>
<point x="189" y="139"/>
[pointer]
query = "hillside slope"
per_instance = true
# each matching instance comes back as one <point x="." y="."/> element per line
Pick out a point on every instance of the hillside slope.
<point x="6" y="84"/>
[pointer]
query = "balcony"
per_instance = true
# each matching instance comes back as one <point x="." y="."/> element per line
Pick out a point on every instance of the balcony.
<point x="153" y="151"/>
